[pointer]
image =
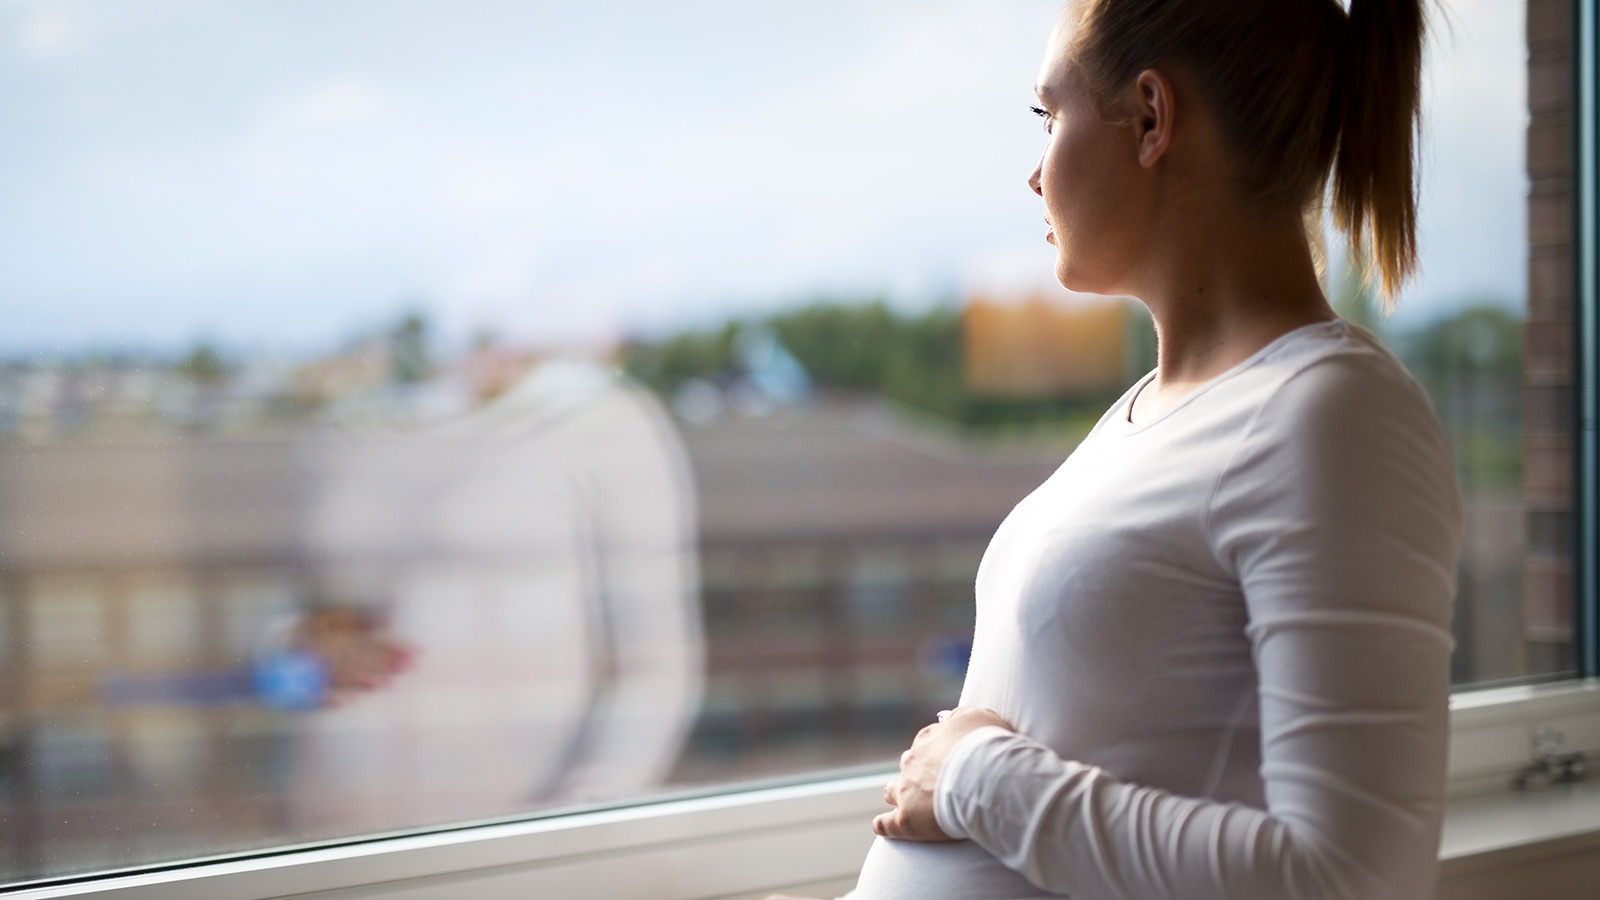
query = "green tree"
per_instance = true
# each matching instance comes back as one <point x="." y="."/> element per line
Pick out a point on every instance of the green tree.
<point x="865" y="347"/>
<point x="665" y="366"/>
<point x="1470" y="362"/>
<point x="203" y="364"/>
<point x="408" y="348"/>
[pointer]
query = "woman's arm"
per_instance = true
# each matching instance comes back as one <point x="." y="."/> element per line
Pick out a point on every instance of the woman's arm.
<point x="1341" y="516"/>
<point x="642" y="589"/>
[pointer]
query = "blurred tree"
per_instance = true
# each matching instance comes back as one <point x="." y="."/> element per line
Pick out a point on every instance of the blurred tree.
<point x="1485" y="337"/>
<point x="843" y="344"/>
<point x="665" y="366"/>
<point x="203" y="364"/>
<point x="862" y="347"/>
<point x="1470" y="362"/>
<point x="408" y="349"/>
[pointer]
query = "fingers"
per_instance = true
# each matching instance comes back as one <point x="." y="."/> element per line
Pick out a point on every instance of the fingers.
<point x="403" y="655"/>
<point x="895" y="826"/>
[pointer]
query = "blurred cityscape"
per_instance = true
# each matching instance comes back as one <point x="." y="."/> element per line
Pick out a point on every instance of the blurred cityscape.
<point x="846" y="465"/>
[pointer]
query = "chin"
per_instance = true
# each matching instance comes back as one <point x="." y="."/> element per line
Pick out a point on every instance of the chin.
<point x="1071" y="278"/>
<point x="1074" y="279"/>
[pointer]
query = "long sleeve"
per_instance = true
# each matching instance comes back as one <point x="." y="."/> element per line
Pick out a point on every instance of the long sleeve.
<point x="1340" y="516"/>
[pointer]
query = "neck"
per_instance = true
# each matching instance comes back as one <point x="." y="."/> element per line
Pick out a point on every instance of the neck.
<point x="1225" y="285"/>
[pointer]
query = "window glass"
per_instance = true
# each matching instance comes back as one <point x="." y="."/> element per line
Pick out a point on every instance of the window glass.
<point x="423" y="412"/>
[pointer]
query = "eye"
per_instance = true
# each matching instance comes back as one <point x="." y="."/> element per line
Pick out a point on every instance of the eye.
<point x="1043" y="114"/>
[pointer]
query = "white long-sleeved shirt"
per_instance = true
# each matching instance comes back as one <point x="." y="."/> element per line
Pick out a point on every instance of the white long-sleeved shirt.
<point x="1222" y="635"/>
<point x="538" y="553"/>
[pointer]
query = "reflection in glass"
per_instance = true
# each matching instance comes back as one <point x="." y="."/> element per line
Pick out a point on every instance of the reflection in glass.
<point x="535" y="560"/>
<point x="444" y="411"/>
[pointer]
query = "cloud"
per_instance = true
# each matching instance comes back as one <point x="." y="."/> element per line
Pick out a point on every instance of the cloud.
<point x="333" y="158"/>
<point x="48" y="35"/>
<point x="342" y="101"/>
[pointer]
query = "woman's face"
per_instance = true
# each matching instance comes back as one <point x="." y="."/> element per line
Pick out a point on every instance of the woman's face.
<point x="1089" y="177"/>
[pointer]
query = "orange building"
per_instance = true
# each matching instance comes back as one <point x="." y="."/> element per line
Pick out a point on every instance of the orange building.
<point x="1043" y="347"/>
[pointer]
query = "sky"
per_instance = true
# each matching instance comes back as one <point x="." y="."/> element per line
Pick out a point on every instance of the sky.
<point x="287" y="173"/>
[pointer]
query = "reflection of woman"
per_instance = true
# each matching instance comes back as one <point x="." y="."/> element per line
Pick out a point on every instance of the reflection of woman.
<point x="1211" y="651"/>
<point x="537" y="556"/>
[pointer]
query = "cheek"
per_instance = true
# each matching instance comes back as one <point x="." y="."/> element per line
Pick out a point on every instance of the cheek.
<point x="1084" y="192"/>
<point x="1075" y="190"/>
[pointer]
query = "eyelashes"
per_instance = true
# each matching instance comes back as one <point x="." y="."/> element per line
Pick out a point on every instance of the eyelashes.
<point x="1043" y="114"/>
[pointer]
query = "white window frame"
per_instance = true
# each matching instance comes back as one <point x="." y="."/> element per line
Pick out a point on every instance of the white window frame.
<point x="742" y="843"/>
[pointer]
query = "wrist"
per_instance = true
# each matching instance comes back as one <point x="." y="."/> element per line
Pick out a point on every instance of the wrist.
<point x="950" y="790"/>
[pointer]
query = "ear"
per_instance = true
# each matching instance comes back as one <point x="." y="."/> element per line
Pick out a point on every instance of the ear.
<point x="1153" y="110"/>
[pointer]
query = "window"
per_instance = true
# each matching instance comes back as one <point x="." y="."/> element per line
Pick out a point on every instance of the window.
<point x="650" y="377"/>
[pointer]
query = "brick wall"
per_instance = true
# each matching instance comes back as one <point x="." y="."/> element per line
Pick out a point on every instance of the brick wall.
<point x="1547" y="407"/>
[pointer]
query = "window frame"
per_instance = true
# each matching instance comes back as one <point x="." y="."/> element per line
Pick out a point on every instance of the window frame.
<point x="740" y="840"/>
<point x="1586" y="339"/>
<point x="732" y="842"/>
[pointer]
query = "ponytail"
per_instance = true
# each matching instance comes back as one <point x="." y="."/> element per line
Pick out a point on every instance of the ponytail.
<point x="1374" y="169"/>
<point x="1299" y="87"/>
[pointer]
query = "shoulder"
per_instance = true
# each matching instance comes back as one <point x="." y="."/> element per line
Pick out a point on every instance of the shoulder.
<point x="1340" y="422"/>
<point x="1345" y="386"/>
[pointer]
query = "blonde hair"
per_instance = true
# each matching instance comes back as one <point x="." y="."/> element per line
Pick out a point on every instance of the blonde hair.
<point x="1301" y="89"/>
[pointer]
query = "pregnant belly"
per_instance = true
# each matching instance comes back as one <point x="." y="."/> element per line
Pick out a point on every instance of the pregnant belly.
<point x="910" y="870"/>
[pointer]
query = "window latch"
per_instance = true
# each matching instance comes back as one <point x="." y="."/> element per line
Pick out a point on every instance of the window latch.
<point x="1550" y="767"/>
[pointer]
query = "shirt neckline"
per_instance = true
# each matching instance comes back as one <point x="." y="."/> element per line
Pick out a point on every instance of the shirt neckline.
<point x="1126" y="427"/>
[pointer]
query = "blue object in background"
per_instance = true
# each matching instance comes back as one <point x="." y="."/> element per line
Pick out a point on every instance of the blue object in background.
<point x="771" y="367"/>
<point x="291" y="680"/>
<point x="945" y="657"/>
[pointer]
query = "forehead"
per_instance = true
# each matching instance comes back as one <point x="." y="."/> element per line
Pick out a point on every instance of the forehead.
<point x="1057" y="70"/>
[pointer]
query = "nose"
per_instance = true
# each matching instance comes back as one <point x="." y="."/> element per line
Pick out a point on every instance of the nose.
<point x="1033" y="180"/>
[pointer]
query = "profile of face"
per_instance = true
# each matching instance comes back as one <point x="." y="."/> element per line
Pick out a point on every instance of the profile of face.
<point x="1096" y="173"/>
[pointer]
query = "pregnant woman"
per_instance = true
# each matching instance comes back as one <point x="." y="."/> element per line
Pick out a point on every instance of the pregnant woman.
<point x="1211" y="652"/>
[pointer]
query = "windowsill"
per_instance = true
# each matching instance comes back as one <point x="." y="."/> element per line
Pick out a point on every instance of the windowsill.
<point x="747" y="843"/>
<point x="1495" y="829"/>
<point x="823" y="829"/>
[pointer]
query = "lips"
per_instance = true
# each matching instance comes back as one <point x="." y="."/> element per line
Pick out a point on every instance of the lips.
<point x="1050" y="232"/>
